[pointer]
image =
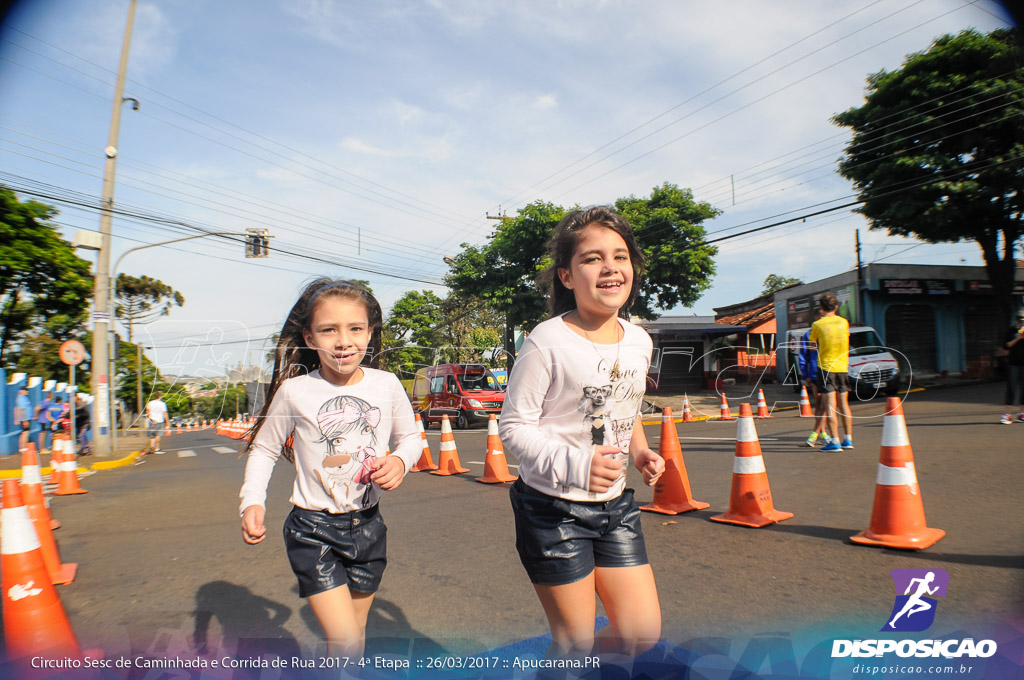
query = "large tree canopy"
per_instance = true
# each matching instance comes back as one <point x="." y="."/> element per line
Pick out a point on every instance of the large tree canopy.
<point x="668" y="227"/>
<point x="938" y="148"/>
<point x="45" y="288"/>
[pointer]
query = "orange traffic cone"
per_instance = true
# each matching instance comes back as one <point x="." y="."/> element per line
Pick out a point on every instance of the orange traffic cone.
<point x="32" y="484"/>
<point x="725" y="415"/>
<point x="34" y="619"/>
<point x="67" y="476"/>
<point x="762" y="407"/>
<point x="750" y="504"/>
<point x="805" y="404"/>
<point x="687" y="415"/>
<point x="167" y="429"/>
<point x="39" y="513"/>
<point x="897" y="519"/>
<point x="56" y="455"/>
<point x="495" y="465"/>
<point x="672" y="494"/>
<point x="425" y="462"/>
<point x="450" y="464"/>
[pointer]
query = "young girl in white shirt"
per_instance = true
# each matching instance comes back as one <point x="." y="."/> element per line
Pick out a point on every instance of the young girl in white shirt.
<point x="340" y="415"/>
<point x="572" y="417"/>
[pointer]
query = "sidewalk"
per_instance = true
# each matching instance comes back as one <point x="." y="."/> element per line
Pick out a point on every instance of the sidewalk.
<point x="128" y="442"/>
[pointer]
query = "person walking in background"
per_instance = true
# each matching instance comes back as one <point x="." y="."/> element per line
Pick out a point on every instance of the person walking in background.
<point x="1015" y="370"/>
<point x="831" y="333"/>
<point x="82" y="424"/>
<point x="807" y="361"/>
<point x="22" y="416"/>
<point x="156" y="422"/>
<point x="43" y="420"/>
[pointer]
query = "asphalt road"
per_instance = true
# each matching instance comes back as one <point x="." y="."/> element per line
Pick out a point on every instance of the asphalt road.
<point x="163" y="569"/>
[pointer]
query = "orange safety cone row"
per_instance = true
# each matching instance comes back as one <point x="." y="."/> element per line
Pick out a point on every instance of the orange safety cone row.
<point x="750" y="503"/>
<point x="34" y="618"/>
<point x="805" y="404"/>
<point x="67" y="474"/>
<point x="56" y="455"/>
<point x="897" y="518"/>
<point x="426" y="462"/>
<point x="687" y="414"/>
<point x="32" y="484"/>
<point x="762" y="406"/>
<point x="450" y="463"/>
<point x="672" y="495"/>
<point x="724" y="414"/>
<point x="495" y="464"/>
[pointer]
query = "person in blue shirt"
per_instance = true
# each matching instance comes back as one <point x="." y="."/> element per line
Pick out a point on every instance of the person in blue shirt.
<point x="43" y="418"/>
<point x="22" y="416"/>
<point x="56" y="415"/>
<point x="807" y="360"/>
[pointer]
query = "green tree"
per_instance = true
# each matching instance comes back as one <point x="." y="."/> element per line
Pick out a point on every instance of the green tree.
<point x="669" y="229"/>
<point x="45" y="288"/>
<point x="143" y="299"/>
<point x="775" y="282"/>
<point x="937" y="151"/>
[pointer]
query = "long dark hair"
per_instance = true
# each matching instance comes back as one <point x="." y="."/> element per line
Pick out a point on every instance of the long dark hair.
<point x="293" y="358"/>
<point x="562" y="245"/>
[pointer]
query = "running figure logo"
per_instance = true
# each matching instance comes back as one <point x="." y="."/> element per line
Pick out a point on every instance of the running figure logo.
<point x="914" y="610"/>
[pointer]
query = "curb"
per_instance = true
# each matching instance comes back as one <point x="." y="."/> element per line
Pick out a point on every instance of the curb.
<point x="101" y="465"/>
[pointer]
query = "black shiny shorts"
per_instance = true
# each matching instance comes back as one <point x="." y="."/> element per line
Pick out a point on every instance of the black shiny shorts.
<point x="331" y="550"/>
<point x="560" y="541"/>
<point x="833" y="382"/>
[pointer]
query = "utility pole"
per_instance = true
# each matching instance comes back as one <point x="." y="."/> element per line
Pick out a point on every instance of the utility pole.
<point x="861" y="312"/>
<point x="101" y="386"/>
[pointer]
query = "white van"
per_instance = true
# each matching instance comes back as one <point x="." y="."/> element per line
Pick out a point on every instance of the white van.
<point x="873" y="368"/>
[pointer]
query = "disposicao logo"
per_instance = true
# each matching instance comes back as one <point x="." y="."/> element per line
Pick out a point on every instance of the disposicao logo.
<point x="914" y="611"/>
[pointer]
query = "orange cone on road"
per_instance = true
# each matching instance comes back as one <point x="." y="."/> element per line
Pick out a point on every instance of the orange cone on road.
<point x="724" y="414"/>
<point x="32" y="496"/>
<point x="425" y="462"/>
<point x="805" y="404"/>
<point x="495" y="464"/>
<point x="450" y="464"/>
<point x="897" y="519"/>
<point x="34" y="618"/>
<point x="762" y="406"/>
<point x="750" y="503"/>
<point x="67" y="472"/>
<point x="32" y="484"/>
<point x="687" y="415"/>
<point x="672" y="494"/>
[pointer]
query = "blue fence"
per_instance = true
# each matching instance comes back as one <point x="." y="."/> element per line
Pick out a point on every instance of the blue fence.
<point x="37" y="391"/>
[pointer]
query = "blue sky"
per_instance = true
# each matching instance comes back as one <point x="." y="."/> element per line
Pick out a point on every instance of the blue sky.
<point x="379" y="136"/>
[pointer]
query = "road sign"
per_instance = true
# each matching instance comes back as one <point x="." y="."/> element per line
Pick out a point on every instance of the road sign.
<point x="72" y="352"/>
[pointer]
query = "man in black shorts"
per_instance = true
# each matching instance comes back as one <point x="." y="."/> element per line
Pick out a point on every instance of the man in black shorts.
<point x="832" y="334"/>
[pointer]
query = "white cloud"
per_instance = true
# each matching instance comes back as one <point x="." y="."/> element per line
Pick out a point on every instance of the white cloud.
<point x="545" y="101"/>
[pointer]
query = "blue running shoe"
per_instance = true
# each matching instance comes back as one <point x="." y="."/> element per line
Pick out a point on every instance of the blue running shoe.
<point x="832" y="447"/>
<point x="847" y="443"/>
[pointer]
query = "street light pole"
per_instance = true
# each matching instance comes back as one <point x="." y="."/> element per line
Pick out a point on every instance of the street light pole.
<point x="101" y="387"/>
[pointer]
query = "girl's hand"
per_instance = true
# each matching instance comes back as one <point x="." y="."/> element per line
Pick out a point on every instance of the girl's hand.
<point x="253" y="530"/>
<point x="388" y="473"/>
<point x="604" y="471"/>
<point x="650" y="465"/>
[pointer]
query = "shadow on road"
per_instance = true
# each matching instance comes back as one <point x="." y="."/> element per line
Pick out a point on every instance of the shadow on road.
<point x="388" y="632"/>
<point x="251" y="625"/>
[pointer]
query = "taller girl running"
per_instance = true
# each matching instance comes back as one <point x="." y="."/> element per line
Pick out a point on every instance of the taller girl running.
<point x="572" y="417"/>
<point x="341" y="415"/>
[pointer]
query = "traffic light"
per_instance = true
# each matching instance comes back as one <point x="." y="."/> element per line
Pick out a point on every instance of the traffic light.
<point x="257" y="243"/>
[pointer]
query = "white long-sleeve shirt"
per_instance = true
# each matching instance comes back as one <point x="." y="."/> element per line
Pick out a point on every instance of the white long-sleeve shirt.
<point x="564" y="397"/>
<point x="338" y="431"/>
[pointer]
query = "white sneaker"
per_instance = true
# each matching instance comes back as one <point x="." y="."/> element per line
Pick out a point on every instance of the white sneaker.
<point x="159" y="452"/>
<point x="1006" y="419"/>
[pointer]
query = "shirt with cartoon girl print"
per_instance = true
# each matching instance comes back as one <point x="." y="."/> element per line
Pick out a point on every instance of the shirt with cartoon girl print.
<point x="338" y="433"/>
<point x="567" y="395"/>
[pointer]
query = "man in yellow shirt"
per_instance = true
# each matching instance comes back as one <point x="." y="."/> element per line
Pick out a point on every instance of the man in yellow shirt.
<point x="832" y="334"/>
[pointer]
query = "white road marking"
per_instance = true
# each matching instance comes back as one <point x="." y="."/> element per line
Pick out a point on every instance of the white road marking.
<point x="224" y="449"/>
<point x="480" y="462"/>
<point x="186" y="453"/>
